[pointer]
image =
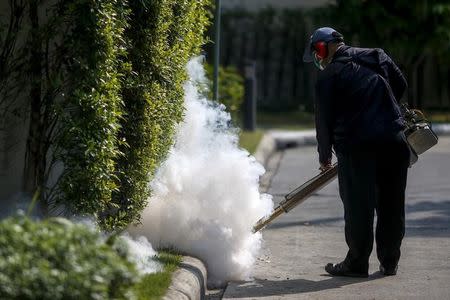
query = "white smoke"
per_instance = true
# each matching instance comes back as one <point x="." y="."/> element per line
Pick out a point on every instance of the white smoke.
<point x="205" y="196"/>
<point x="141" y="253"/>
<point x="138" y="250"/>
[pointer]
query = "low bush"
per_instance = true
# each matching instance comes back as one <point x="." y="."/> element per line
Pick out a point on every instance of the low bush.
<point x="57" y="259"/>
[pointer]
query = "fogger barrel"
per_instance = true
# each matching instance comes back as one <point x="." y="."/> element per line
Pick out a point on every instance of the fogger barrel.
<point x="298" y="195"/>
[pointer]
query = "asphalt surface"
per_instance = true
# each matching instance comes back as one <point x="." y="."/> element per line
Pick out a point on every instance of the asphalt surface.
<point x="298" y="245"/>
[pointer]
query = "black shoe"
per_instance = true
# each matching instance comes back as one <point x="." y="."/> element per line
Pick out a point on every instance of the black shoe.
<point x="341" y="269"/>
<point x="388" y="271"/>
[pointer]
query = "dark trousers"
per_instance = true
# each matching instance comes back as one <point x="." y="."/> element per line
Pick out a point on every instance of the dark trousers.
<point x="372" y="177"/>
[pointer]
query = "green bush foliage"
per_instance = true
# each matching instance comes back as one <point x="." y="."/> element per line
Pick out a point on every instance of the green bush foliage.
<point x="231" y="88"/>
<point x="88" y="142"/>
<point x="57" y="259"/>
<point x="107" y="91"/>
<point x="163" y="35"/>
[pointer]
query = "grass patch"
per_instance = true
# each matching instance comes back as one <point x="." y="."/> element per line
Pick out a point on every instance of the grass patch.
<point x="249" y="140"/>
<point x="438" y="117"/>
<point x="294" y="120"/>
<point x="154" y="286"/>
<point x="297" y="120"/>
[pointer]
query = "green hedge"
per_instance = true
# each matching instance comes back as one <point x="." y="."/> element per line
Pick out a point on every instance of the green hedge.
<point x="56" y="259"/>
<point x="163" y="35"/>
<point x="88" y="142"/>
<point x="124" y="80"/>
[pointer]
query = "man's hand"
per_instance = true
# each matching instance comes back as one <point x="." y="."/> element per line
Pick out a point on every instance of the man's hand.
<point x="325" y="166"/>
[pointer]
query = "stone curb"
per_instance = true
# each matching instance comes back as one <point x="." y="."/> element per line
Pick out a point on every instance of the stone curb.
<point x="279" y="139"/>
<point x="441" y="129"/>
<point x="265" y="148"/>
<point x="188" y="281"/>
<point x="274" y="140"/>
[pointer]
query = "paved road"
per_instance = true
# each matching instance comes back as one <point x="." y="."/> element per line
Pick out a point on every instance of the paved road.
<point x="299" y="244"/>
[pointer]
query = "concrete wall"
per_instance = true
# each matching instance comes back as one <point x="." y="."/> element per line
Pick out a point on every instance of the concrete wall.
<point x="12" y="135"/>
<point x="14" y="126"/>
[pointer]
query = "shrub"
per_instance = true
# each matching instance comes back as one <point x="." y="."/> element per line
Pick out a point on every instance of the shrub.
<point x="231" y="88"/>
<point x="163" y="35"/>
<point x="88" y="144"/>
<point x="56" y="259"/>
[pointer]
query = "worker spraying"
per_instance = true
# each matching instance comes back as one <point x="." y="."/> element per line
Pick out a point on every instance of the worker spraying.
<point x="357" y="113"/>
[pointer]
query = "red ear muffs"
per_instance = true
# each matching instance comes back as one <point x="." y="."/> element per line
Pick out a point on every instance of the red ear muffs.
<point x="321" y="49"/>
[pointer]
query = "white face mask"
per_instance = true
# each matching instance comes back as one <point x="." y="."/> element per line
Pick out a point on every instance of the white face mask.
<point x="318" y="62"/>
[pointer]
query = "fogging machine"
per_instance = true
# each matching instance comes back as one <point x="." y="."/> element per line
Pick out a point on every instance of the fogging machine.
<point x="298" y="196"/>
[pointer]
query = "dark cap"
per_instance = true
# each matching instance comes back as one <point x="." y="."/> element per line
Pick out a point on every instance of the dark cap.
<point x="323" y="34"/>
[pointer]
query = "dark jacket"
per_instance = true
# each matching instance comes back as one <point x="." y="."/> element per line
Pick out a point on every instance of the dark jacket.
<point x="357" y="100"/>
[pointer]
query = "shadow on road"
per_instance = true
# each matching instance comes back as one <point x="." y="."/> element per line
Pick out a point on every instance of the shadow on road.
<point x="312" y="222"/>
<point x="264" y="288"/>
<point x="427" y="218"/>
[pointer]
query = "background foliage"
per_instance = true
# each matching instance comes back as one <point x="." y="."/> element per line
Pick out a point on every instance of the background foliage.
<point x="274" y="40"/>
<point x="231" y="89"/>
<point x="415" y="33"/>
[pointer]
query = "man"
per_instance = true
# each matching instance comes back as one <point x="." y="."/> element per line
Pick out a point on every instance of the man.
<point x="357" y="113"/>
